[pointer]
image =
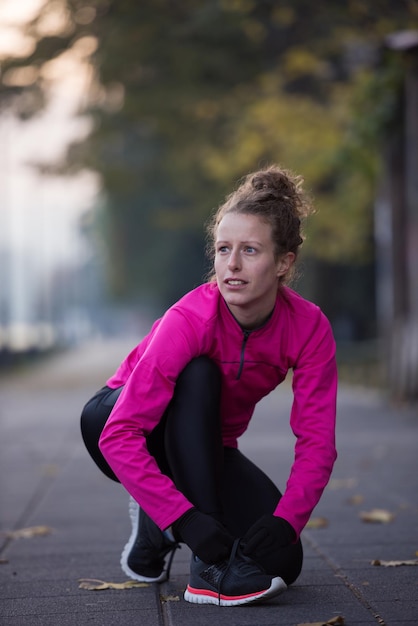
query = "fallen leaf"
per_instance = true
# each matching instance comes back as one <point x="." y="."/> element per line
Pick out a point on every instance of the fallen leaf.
<point x="50" y="470"/>
<point x="342" y="483"/>
<point x="334" y="621"/>
<point x="169" y="599"/>
<point x="94" y="584"/>
<point x="377" y="516"/>
<point x="356" y="499"/>
<point x="394" y="563"/>
<point x="28" y="533"/>
<point x="3" y="561"/>
<point x="317" y="522"/>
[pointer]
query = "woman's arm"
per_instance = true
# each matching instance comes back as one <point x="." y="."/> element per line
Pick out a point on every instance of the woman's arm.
<point x="139" y="409"/>
<point x="313" y="423"/>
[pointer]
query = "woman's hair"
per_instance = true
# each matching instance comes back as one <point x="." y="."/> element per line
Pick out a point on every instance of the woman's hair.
<point x="276" y="196"/>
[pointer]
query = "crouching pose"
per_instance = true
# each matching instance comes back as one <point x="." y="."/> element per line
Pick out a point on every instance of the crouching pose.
<point x="167" y="423"/>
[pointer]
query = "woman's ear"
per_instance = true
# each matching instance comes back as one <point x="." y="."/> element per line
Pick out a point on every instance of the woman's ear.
<point x="284" y="263"/>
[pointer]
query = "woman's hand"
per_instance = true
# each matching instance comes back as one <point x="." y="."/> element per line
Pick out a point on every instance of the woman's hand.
<point x="268" y="535"/>
<point x="206" y="537"/>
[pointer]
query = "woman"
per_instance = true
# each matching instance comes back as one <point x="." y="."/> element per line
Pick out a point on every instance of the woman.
<point x="182" y="398"/>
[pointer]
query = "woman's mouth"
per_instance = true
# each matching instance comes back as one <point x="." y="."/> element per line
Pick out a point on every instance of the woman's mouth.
<point x="234" y="282"/>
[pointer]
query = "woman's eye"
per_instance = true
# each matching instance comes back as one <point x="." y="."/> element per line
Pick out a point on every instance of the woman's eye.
<point x="250" y="249"/>
<point x="222" y="249"/>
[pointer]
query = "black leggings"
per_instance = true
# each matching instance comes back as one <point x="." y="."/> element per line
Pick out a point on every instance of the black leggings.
<point x="187" y="446"/>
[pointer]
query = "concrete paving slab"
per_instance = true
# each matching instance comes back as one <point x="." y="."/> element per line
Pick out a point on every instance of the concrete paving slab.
<point x="47" y="478"/>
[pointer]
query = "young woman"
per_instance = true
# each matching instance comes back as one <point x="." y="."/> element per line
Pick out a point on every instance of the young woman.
<point x="182" y="398"/>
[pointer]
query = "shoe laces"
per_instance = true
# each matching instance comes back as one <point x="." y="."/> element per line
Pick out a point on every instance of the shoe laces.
<point x="241" y="564"/>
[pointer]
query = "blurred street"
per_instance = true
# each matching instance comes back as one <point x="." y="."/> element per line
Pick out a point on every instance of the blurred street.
<point x="48" y="481"/>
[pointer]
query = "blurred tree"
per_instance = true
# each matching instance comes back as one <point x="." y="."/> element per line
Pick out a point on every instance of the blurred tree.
<point x="189" y="96"/>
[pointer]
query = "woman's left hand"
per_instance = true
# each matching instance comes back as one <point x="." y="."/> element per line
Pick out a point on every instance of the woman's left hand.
<point x="268" y="534"/>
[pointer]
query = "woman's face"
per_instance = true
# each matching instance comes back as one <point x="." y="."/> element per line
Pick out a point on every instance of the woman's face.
<point x="247" y="271"/>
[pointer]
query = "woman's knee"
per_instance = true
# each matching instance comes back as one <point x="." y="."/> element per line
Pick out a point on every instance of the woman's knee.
<point x="200" y="370"/>
<point x="197" y="392"/>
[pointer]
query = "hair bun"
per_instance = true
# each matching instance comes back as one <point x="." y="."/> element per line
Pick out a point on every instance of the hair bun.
<point x="274" y="182"/>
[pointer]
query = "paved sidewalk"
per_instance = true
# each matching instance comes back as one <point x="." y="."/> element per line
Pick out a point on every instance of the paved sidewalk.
<point x="47" y="480"/>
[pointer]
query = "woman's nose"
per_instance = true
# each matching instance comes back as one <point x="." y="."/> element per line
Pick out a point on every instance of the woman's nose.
<point x="234" y="261"/>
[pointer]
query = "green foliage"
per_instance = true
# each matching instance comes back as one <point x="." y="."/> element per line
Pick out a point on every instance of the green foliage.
<point x="193" y="95"/>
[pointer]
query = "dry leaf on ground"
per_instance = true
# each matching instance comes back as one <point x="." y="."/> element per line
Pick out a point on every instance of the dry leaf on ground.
<point x="377" y="516"/>
<point x="169" y="599"/>
<point x="317" y="522"/>
<point x="94" y="584"/>
<point x="51" y="469"/>
<point x="342" y="483"/>
<point x="356" y="499"/>
<point x="334" y="621"/>
<point x="28" y="533"/>
<point x="394" y="563"/>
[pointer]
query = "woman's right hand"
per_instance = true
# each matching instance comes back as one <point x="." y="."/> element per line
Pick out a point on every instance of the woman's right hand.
<point x="206" y="537"/>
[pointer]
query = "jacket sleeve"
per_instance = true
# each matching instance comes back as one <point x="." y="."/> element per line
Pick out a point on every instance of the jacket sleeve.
<point x="139" y="409"/>
<point x="313" y="423"/>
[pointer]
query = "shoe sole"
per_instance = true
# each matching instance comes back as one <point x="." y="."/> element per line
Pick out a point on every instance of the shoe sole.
<point x="206" y="596"/>
<point x="134" y="515"/>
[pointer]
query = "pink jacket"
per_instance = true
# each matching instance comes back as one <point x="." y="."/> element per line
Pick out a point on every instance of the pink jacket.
<point x="297" y="336"/>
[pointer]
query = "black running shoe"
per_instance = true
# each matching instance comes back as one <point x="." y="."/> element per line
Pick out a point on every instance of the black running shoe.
<point x="232" y="582"/>
<point x="143" y="557"/>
